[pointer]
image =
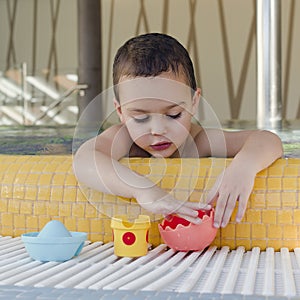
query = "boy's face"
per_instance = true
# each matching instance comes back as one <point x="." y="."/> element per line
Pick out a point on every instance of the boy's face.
<point x="157" y="112"/>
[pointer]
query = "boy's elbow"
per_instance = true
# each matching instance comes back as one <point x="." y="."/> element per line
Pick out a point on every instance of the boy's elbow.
<point x="75" y="164"/>
<point x="279" y="146"/>
<point x="276" y="144"/>
<point x="79" y="161"/>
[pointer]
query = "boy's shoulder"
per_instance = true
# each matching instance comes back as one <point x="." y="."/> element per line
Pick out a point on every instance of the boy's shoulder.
<point x="115" y="133"/>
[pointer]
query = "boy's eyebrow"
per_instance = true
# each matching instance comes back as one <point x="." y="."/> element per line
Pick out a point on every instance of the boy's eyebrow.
<point x="143" y="111"/>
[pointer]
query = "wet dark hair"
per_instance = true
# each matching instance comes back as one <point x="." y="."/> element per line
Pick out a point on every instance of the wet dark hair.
<point x="149" y="55"/>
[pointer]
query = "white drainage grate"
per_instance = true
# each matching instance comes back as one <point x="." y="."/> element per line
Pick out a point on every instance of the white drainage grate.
<point x="238" y="272"/>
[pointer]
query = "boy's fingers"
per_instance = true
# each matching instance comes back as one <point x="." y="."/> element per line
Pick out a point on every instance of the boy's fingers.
<point x="212" y="197"/>
<point x="188" y="212"/>
<point x="190" y="219"/>
<point x="220" y="209"/>
<point x="198" y="205"/>
<point x="243" y="199"/>
<point x="230" y="205"/>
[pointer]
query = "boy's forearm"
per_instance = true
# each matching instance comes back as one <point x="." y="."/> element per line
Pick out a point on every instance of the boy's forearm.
<point x="260" y="150"/>
<point x="103" y="173"/>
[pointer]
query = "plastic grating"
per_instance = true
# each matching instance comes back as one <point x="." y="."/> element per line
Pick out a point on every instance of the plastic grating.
<point x="166" y="274"/>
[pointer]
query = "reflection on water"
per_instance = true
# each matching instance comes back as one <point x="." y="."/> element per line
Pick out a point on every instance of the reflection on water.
<point x="291" y="142"/>
<point x="36" y="140"/>
<point x="54" y="140"/>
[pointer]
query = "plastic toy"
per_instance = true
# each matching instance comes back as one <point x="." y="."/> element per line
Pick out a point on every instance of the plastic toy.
<point x="181" y="235"/>
<point x="130" y="238"/>
<point x="54" y="242"/>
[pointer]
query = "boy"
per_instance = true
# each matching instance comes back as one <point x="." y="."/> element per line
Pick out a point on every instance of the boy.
<point x="156" y="97"/>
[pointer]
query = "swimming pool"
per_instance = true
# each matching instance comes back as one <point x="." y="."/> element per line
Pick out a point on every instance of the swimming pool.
<point x="29" y="140"/>
<point x="25" y="140"/>
<point x="37" y="188"/>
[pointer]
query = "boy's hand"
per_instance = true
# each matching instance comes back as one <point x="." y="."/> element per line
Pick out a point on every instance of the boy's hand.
<point x="232" y="185"/>
<point x="159" y="201"/>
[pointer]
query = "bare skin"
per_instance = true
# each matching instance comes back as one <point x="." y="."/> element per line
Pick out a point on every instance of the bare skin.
<point x="161" y="128"/>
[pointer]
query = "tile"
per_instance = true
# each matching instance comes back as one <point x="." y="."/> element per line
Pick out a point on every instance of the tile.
<point x="274" y="231"/>
<point x="39" y="208"/>
<point x="58" y="179"/>
<point x="44" y="193"/>
<point x="215" y="171"/>
<point x="78" y="210"/>
<point x="275" y="170"/>
<point x="290" y="244"/>
<point x="284" y="217"/>
<point x="32" y="222"/>
<point x="253" y="216"/>
<point x="258" y="200"/>
<point x="290" y="232"/>
<point x="273" y="199"/>
<point x="297" y="216"/>
<point x="43" y="220"/>
<point x="258" y="231"/>
<point x="70" y="194"/>
<point x="71" y="223"/>
<point x="45" y="179"/>
<point x="83" y="225"/>
<point x="269" y="216"/>
<point x="243" y="230"/>
<point x="18" y="191"/>
<point x="291" y="170"/>
<point x="20" y="178"/>
<point x="243" y="242"/>
<point x="70" y="180"/>
<point x="3" y="205"/>
<point x="32" y="179"/>
<point x="260" y="183"/>
<point x="26" y="207"/>
<point x="261" y="243"/>
<point x="31" y="192"/>
<point x="168" y="182"/>
<point x="289" y="199"/>
<point x="274" y="183"/>
<point x="182" y="182"/>
<point x="65" y="209"/>
<point x="96" y="225"/>
<point x="229" y="231"/>
<point x="52" y="209"/>
<point x="143" y="169"/>
<point x="56" y="194"/>
<point x="7" y="219"/>
<point x="289" y="183"/>
<point x="13" y="206"/>
<point x="8" y="179"/>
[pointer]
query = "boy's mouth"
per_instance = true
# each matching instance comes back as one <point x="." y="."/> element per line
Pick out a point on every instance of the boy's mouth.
<point x="161" y="146"/>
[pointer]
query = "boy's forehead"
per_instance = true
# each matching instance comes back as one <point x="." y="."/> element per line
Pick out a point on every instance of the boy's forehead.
<point x="153" y="88"/>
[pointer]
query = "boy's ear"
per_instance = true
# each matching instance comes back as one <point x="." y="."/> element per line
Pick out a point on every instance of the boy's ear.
<point x="196" y="100"/>
<point x="118" y="109"/>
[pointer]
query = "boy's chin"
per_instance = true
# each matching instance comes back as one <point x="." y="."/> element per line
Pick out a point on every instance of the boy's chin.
<point x="165" y="154"/>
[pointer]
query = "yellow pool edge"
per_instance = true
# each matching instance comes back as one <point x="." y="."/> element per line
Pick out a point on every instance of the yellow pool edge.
<point x="35" y="189"/>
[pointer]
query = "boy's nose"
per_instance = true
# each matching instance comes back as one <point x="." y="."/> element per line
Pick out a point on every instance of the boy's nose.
<point x="158" y="126"/>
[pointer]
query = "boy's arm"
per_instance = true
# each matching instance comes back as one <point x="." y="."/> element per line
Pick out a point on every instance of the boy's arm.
<point x="96" y="165"/>
<point x="252" y="151"/>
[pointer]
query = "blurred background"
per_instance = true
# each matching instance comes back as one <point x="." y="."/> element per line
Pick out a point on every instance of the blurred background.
<point x="56" y="55"/>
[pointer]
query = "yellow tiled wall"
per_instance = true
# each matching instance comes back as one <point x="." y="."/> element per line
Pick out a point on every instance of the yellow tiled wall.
<point x="36" y="189"/>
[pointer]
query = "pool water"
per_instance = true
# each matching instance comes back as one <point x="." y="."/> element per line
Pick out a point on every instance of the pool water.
<point x="291" y="142"/>
<point x="36" y="140"/>
<point x="58" y="140"/>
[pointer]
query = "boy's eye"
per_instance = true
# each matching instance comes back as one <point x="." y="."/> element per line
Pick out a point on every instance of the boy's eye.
<point x="141" y="119"/>
<point x="176" y="116"/>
